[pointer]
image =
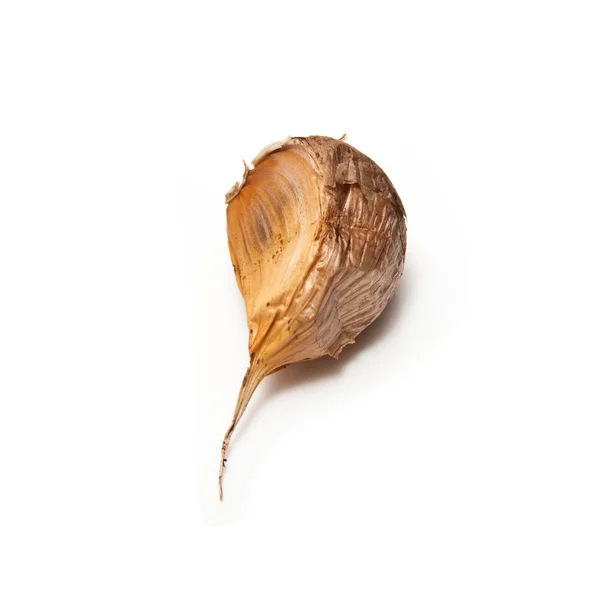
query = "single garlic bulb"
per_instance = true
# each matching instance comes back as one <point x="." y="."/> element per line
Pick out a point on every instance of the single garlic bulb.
<point x="317" y="237"/>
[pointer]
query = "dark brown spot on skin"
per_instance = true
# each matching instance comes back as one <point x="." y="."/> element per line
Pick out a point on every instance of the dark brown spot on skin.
<point x="261" y="231"/>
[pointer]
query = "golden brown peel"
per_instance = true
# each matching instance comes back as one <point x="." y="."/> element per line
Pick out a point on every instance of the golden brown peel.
<point x="317" y="237"/>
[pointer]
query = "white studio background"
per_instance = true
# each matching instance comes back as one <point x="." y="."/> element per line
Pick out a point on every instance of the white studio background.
<point x="452" y="452"/>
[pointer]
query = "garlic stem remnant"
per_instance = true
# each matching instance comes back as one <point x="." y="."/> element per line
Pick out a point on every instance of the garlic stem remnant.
<point x="317" y="237"/>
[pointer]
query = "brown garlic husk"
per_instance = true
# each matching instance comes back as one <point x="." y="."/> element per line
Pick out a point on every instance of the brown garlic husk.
<point x="317" y="237"/>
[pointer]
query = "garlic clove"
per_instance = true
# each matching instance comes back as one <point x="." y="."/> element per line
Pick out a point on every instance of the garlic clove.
<point x="317" y="237"/>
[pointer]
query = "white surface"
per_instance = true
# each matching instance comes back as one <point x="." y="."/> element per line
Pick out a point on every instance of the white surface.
<point x="453" y="452"/>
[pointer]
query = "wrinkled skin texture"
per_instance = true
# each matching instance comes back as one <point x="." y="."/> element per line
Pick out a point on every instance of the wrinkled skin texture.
<point x="317" y="237"/>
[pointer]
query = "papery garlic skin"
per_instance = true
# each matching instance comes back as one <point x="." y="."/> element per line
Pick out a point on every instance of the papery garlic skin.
<point x="317" y="237"/>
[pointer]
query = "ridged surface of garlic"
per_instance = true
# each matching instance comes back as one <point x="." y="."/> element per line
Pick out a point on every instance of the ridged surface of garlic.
<point x="317" y="237"/>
